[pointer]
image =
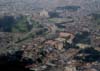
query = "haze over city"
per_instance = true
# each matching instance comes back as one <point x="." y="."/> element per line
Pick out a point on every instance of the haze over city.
<point x="50" y="35"/>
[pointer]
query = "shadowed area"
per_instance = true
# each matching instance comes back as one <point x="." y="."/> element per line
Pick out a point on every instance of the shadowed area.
<point x="14" y="62"/>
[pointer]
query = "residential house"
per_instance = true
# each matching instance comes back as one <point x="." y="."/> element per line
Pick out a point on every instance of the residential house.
<point x="54" y="43"/>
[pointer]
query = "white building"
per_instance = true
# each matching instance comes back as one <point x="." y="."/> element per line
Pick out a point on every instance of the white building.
<point x="44" y="13"/>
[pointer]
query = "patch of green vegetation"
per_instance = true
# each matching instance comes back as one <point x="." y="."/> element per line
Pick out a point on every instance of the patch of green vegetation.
<point x="23" y="25"/>
<point x="57" y="20"/>
<point x="35" y="24"/>
<point x="98" y="21"/>
<point x="83" y="37"/>
<point x="20" y="26"/>
<point x="31" y="35"/>
<point x="96" y="18"/>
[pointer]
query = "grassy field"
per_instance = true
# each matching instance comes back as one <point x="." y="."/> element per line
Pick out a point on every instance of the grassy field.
<point x="20" y="26"/>
<point x="57" y="20"/>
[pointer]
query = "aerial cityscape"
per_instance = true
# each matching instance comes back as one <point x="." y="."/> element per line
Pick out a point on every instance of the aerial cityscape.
<point x="50" y="35"/>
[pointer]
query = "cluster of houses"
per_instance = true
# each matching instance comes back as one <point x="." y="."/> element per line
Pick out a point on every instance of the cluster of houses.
<point x="57" y="43"/>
